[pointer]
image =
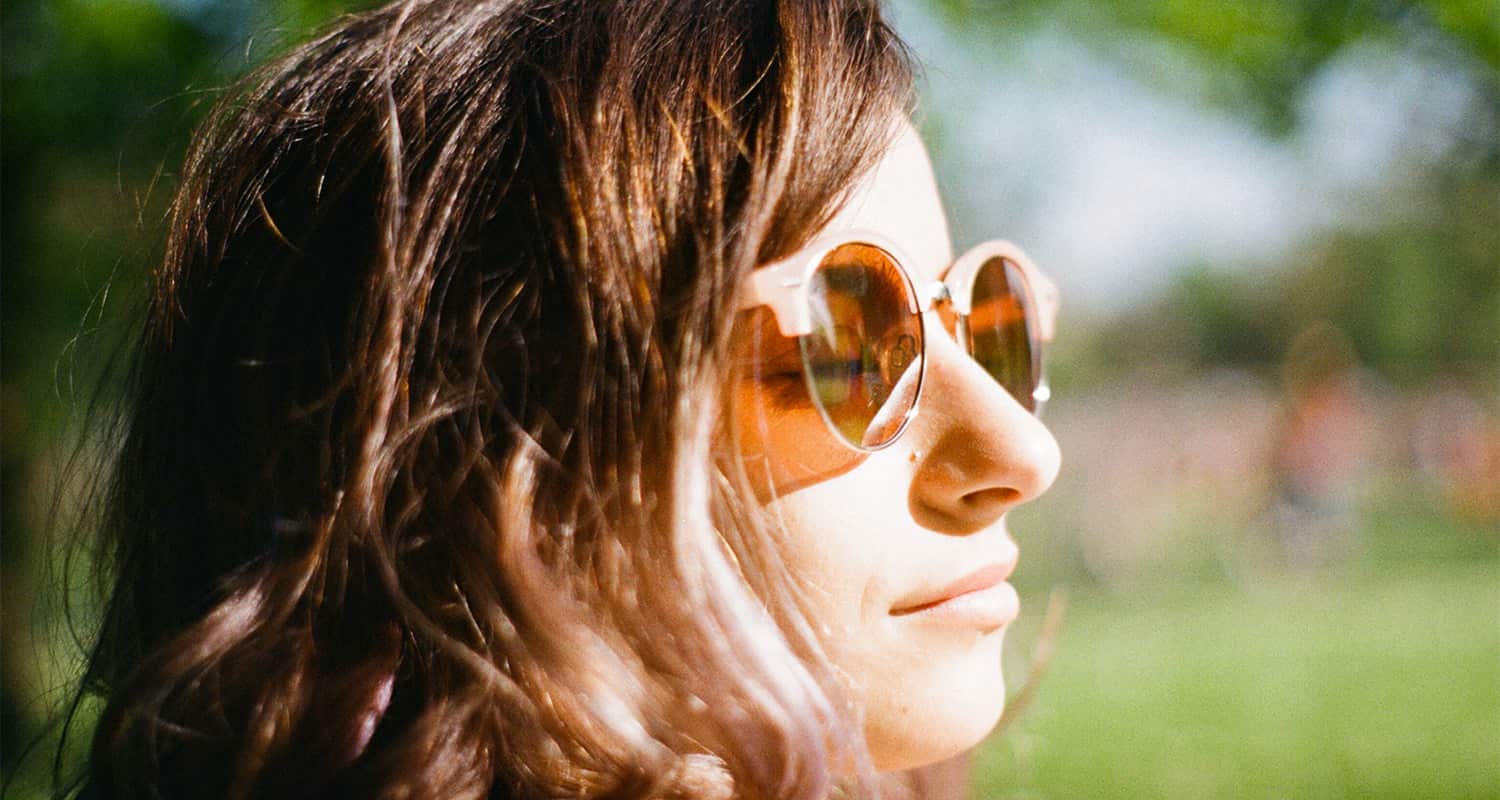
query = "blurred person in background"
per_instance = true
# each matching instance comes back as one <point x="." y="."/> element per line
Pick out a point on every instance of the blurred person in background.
<point x="567" y="399"/>
<point x="1324" y="446"/>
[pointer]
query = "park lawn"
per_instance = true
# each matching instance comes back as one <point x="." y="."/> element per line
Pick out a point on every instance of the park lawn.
<point x="1372" y="686"/>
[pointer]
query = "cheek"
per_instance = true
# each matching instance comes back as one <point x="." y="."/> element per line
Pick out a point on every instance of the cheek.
<point x="786" y="446"/>
<point x="832" y="545"/>
<point x="926" y="692"/>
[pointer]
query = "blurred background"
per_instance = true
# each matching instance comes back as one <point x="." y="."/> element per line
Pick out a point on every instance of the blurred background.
<point x="1277" y="379"/>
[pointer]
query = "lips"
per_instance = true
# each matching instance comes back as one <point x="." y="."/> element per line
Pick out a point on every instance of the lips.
<point x="980" y="598"/>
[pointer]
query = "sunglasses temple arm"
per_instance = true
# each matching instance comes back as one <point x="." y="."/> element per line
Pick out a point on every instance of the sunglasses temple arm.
<point x="1045" y="294"/>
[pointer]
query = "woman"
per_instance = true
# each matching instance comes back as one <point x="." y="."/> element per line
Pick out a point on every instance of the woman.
<point x="521" y="412"/>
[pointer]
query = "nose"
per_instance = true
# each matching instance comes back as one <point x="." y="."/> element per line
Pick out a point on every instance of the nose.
<point x="978" y="452"/>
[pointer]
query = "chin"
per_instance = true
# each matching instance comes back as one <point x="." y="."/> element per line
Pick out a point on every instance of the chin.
<point x="946" y="706"/>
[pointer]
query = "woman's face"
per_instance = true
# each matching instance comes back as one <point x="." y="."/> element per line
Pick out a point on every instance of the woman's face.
<point x="893" y="543"/>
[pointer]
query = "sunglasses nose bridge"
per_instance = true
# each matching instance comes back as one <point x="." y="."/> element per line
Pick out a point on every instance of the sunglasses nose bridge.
<point x="935" y="294"/>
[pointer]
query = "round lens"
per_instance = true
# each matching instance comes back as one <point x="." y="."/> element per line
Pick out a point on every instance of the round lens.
<point x="1000" y="330"/>
<point x="863" y="357"/>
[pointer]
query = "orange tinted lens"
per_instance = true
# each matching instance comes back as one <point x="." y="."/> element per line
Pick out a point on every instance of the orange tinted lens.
<point x="863" y="357"/>
<point x="1001" y="329"/>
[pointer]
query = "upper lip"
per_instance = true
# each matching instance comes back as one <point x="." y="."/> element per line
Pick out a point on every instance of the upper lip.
<point x="985" y="577"/>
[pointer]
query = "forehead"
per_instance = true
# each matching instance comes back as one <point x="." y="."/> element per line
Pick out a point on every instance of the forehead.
<point x="899" y="200"/>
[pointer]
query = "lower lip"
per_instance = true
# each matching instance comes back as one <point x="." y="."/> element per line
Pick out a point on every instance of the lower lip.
<point x="987" y="608"/>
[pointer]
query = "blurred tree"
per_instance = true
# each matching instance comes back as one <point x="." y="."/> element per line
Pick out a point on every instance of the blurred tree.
<point x="1418" y="293"/>
<point x="1265" y="49"/>
<point x="98" y="100"/>
<point x="1419" y="300"/>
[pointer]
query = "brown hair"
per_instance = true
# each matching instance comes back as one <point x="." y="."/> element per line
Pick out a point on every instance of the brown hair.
<point x="422" y="489"/>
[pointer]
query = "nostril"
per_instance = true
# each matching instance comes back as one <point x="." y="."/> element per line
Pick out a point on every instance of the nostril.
<point x="993" y="496"/>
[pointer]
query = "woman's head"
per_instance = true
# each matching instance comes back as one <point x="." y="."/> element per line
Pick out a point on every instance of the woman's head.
<point x="425" y="483"/>
<point x="904" y="546"/>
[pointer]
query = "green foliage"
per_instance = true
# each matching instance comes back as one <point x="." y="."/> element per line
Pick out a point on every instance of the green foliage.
<point x="1417" y="299"/>
<point x="1264" y="49"/>
<point x="99" y="97"/>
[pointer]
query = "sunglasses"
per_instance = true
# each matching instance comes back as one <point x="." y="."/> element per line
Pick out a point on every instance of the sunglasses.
<point x="856" y="314"/>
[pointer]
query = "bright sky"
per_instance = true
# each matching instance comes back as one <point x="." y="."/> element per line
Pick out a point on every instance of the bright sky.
<point x="1113" y="184"/>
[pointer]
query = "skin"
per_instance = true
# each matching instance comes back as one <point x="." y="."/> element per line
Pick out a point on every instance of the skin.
<point x="873" y="533"/>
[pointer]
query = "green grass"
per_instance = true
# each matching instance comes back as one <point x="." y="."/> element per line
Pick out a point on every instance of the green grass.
<point x="1381" y="685"/>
